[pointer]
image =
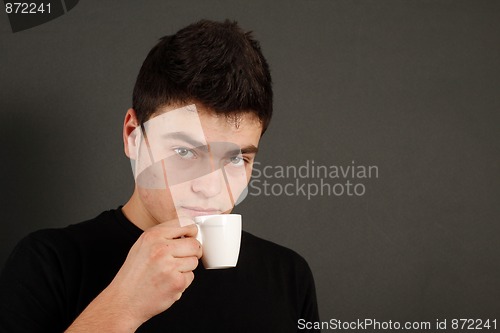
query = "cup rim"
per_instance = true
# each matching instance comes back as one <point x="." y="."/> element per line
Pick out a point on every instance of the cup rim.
<point x="208" y="217"/>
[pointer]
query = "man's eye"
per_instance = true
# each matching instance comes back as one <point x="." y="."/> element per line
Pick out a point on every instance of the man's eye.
<point x="184" y="153"/>
<point x="237" y="161"/>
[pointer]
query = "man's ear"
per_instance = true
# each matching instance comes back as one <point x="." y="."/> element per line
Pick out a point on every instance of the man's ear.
<point x="131" y="134"/>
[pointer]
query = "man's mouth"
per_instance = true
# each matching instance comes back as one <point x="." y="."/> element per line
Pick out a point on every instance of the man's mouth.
<point x="198" y="211"/>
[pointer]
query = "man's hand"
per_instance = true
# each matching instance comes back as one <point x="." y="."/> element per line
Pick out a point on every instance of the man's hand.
<point x="158" y="268"/>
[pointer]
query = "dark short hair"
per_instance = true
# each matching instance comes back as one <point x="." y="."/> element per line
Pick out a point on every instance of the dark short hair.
<point x="213" y="63"/>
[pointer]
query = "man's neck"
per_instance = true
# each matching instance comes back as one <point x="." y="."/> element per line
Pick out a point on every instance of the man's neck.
<point x="135" y="212"/>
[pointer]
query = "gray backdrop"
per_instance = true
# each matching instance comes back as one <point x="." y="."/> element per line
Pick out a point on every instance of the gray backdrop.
<point x="411" y="87"/>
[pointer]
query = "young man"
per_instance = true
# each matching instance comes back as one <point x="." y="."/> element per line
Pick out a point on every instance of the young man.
<point x="201" y="102"/>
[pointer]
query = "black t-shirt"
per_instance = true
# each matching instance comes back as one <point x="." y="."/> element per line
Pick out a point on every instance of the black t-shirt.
<point x="53" y="274"/>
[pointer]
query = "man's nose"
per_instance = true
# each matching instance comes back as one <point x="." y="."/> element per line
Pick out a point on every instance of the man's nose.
<point x="210" y="184"/>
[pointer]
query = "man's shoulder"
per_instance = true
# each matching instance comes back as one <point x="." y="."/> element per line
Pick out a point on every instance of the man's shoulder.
<point x="89" y="226"/>
<point x="268" y="252"/>
<point x="259" y="243"/>
<point x="99" y="243"/>
<point x="73" y="235"/>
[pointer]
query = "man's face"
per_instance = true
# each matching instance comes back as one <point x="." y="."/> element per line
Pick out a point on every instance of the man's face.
<point x="188" y="161"/>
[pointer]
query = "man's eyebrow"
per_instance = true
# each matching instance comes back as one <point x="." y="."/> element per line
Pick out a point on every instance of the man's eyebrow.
<point x="184" y="137"/>
<point x="250" y="149"/>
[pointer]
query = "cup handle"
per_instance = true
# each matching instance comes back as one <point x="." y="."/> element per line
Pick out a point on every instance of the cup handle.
<point x="199" y="238"/>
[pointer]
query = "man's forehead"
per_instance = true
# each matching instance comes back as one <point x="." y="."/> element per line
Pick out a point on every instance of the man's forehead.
<point x="201" y="125"/>
<point x="172" y="117"/>
<point x="182" y="121"/>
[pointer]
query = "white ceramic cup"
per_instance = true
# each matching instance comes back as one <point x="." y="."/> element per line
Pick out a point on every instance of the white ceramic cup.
<point x="220" y="237"/>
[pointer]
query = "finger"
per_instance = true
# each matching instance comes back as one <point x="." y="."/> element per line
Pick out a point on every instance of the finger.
<point x="184" y="247"/>
<point x="172" y="232"/>
<point x="189" y="277"/>
<point x="191" y="230"/>
<point x="187" y="264"/>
